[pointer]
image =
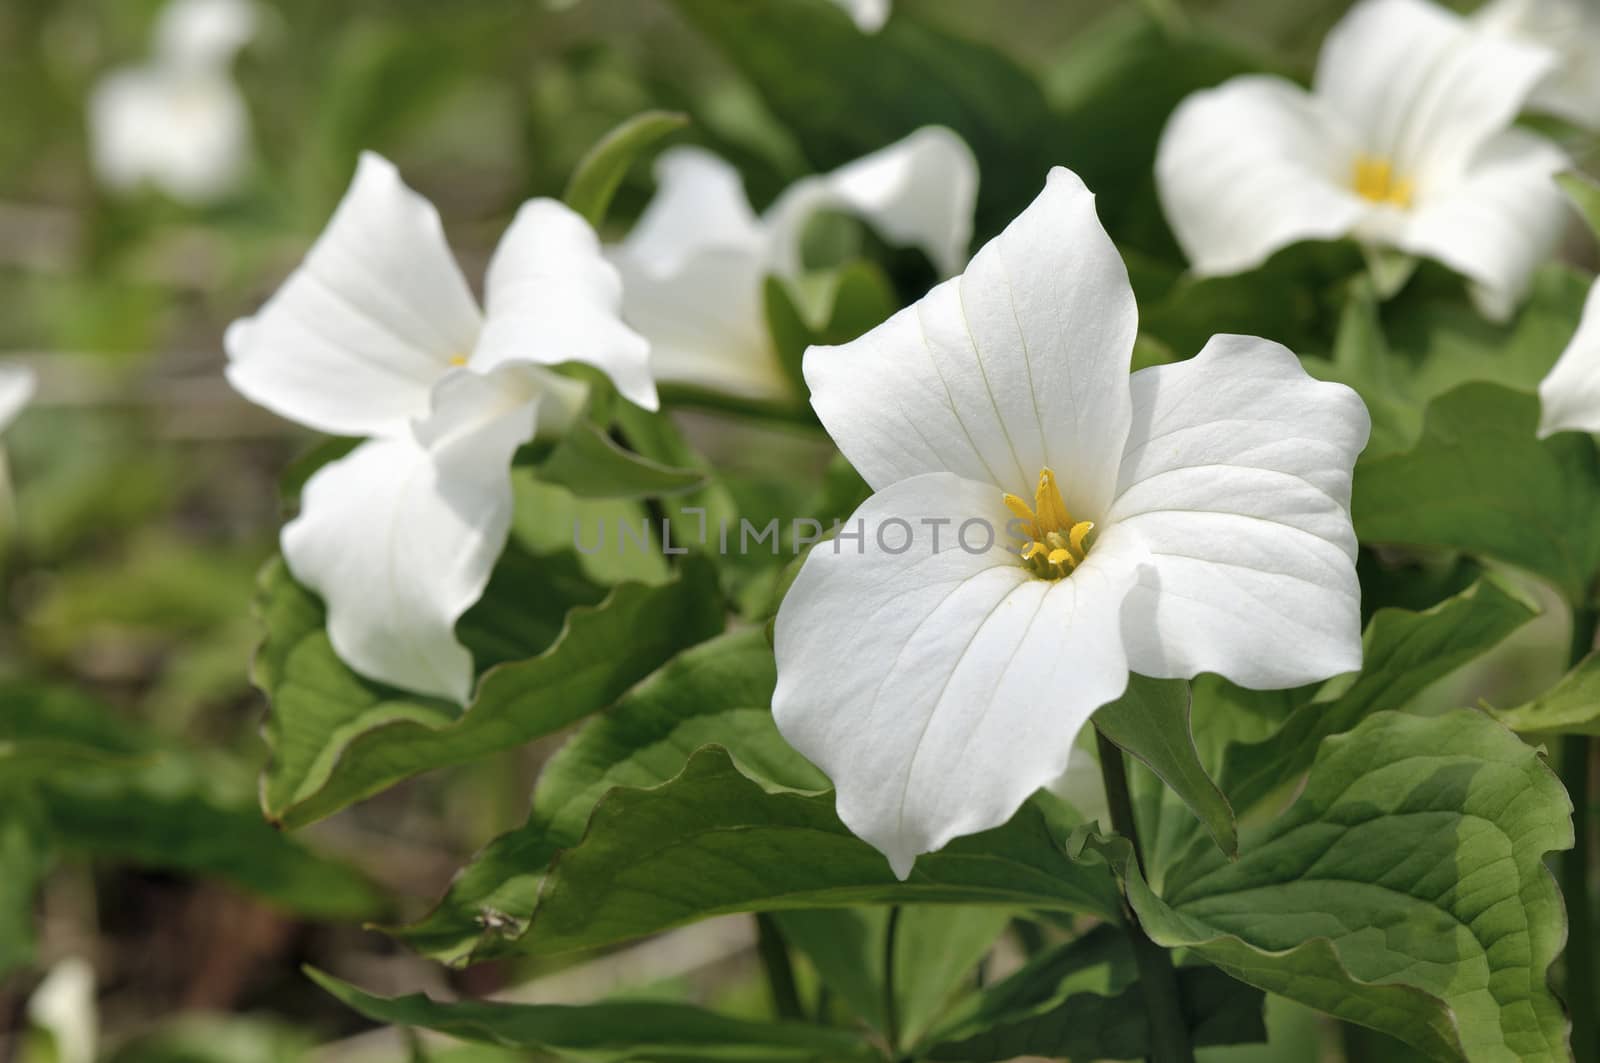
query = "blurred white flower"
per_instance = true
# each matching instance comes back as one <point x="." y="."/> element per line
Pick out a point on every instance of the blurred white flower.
<point x="17" y="386"/>
<point x="1570" y="29"/>
<point x="1405" y="142"/>
<point x="64" y="1007"/>
<point x="870" y="15"/>
<point x="1569" y="396"/>
<point x="377" y="335"/>
<point x="178" y="121"/>
<point x="694" y="265"/>
<point x="1192" y="518"/>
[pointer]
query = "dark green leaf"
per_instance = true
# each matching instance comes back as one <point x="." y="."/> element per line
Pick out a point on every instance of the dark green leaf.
<point x="595" y="181"/>
<point x="619" y="1032"/>
<point x="590" y="464"/>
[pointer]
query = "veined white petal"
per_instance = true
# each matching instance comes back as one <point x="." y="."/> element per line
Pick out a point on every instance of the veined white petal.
<point x="1570" y="395"/>
<point x="1250" y="167"/>
<point x="1496" y="226"/>
<point x="1237" y="481"/>
<point x="938" y="690"/>
<point x="1423" y="88"/>
<point x="1019" y="363"/>
<point x="551" y="297"/>
<point x="870" y="15"/>
<point x="17" y="386"/>
<point x="919" y="191"/>
<point x="700" y="203"/>
<point x="354" y="341"/>
<point x="1570" y="29"/>
<point x="186" y="132"/>
<point x="706" y="321"/>
<point x="204" y="33"/>
<point x="399" y="536"/>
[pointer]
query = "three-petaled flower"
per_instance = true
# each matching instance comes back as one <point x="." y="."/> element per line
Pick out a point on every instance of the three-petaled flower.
<point x="1405" y="142"/>
<point x="377" y="335"/>
<point x="694" y="264"/>
<point x="1190" y="518"/>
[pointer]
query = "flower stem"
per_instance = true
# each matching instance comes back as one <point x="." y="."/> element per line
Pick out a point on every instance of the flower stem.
<point x="774" y="953"/>
<point x="1158" y="981"/>
<point x="891" y="1008"/>
<point x="1576" y="757"/>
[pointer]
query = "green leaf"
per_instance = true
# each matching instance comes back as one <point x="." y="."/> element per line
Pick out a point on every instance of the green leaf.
<point x="1151" y="721"/>
<point x="1080" y="1000"/>
<point x="1405" y="890"/>
<point x="1584" y="191"/>
<point x="613" y="1032"/>
<point x="590" y="464"/>
<point x="828" y="308"/>
<point x="844" y="94"/>
<point x="937" y="950"/>
<point x="595" y="181"/>
<point x="1572" y="706"/>
<point x="713" y="840"/>
<point x="1403" y="653"/>
<point x="718" y="691"/>
<point x="337" y="738"/>
<point x="1480" y="481"/>
<point x="25" y="854"/>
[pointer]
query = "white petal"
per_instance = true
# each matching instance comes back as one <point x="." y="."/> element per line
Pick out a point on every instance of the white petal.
<point x="204" y="33"/>
<point x="399" y="537"/>
<point x="1020" y="363"/>
<point x="551" y="297"/>
<point x="939" y="690"/>
<point x="869" y="15"/>
<point x="699" y="203"/>
<point x="1570" y="29"/>
<point x="1422" y="87"/>
<point x="64" y="1007"/>
<point x="188" y="133"/>
<point x="1237" y="480"/>
<point x="1570" y="395"/>
<point x="17" y="386"/>
<point x="1251" y="167"/>
<point x="919" y="191"/>
<point x="356" y="337"/>
<point x="1498" y="224"/>
<point x="706" y="322"/>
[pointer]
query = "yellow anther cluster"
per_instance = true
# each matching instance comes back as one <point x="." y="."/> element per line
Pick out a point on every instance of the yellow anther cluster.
<point x="1058" y="544"/>
<point x="458" y="360"/>
<point x="1376" y="180"/>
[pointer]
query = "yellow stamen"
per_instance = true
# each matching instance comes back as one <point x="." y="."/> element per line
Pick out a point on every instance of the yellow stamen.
<point x="1058" y="543"/>
<point x="1375" y="179"/>
<point x="458" y="360"/>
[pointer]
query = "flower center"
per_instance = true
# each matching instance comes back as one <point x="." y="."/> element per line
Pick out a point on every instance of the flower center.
<point x="1057" y="543"/>
<point x="1376" y="180"/>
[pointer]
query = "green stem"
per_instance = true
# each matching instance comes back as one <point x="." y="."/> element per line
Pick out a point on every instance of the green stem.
<point x="1576" y="757"/>
<point x="891" y="1008"/>
<point x="774" y="953"/>
<point x="1158" y="981"/>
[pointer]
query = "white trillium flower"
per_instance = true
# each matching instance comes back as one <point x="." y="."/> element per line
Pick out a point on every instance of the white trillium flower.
<point x="1404" y="142"/>
<point x="1570" y="29"/>
<point x="178" y="121"/>
<point x="1190" y="518"/>
<point x="378" y="335"/>
<point x="1569" y="397"/>
<point x="869" y="15"/>
<point x="694" y="265"/>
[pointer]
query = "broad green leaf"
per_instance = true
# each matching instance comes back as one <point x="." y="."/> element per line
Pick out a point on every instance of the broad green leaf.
<point x="1080" y="1000"/>
<point x="1402" y="654"/>
<point x="1478" y="480"/>
<point x="1584" y="191"/>
<point x="844" y="94"/>
<point x="1405" y="890"/>
<point x="1572" y="706"/>
<point x="937" y="952"/>
<point x="590" y="464"/>
<point x="610" y="1032"/>
<point x="595" y="181"/>
<point x="1151" y="722"/>
<point x="337" y="738"/>
<point x="718" y="691"/>
<point x="25" y="854"/>
<point x="713" y="840"/>
<point x="607" y="540"/>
